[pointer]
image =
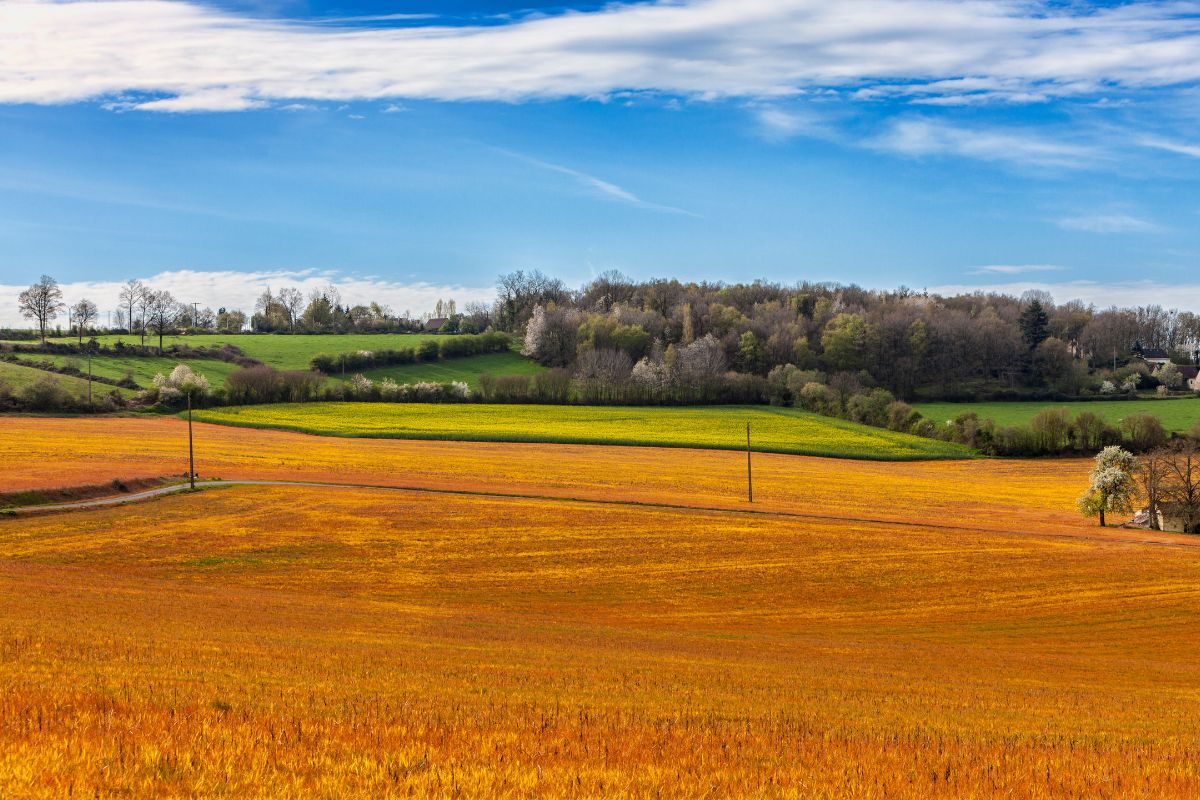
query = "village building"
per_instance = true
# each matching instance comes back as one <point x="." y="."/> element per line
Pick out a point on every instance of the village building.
<point x="1154" y="356"/>
<point x="1191" y="377"/>
<point x="1177" y="518"/>
<point x="434" y="325"/>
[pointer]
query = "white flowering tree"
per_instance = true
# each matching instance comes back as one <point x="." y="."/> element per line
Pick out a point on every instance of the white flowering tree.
<point x="1170" y="376"/>
<point x="1111" y="484"/>
<point x="182" y="382"/>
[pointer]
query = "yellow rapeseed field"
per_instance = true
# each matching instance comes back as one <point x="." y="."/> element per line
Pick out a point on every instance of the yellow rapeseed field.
<point x="943" y="629"/>
<point x="774" y="430"/>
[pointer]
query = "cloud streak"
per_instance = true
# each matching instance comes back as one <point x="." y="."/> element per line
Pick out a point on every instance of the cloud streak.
<point x="1113" y="222"/>
<point x="233" y="289"/>
<point x="599" y="185"/>
<point x="172" y="56"/>
<point x="1014" y="269"/>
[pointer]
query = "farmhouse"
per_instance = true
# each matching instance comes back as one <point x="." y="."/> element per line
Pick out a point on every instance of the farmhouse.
<point x="1177" y="518"/>
<point x="434" y="325"/>
<point x="1153" y="355"/>
<point x="1191" y="377"/>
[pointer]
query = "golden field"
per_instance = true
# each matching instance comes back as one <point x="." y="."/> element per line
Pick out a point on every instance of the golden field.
<point x="965" y="635"/>
<point x="1001" y="495"/>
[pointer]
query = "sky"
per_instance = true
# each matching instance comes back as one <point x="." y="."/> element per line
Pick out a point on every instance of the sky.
<point x="414" y="150"/>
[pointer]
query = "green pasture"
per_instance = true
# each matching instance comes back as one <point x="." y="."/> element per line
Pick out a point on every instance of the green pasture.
<point x="143" y="368"/>
<point x="280" y="351"/>
<point x="1176" y="414"/>
<point x="466" y="369"/>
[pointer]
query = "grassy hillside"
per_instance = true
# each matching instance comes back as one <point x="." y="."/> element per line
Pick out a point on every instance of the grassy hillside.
<point x="16" y="377"/>
<point x="143" y="368"/>
<point x="283" y="352"/>
<point x="1177" y="414"/>
<point x="467" y="369"/>
<point x="722" y="427"/>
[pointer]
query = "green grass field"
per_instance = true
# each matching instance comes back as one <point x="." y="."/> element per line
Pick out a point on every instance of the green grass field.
<point x="466" y="369"/>
<point x="1176" y="414"/>
<point x="282" y="352"/>
<point x="143" y="368"/>
<point x="17" y="377"/>
<point x="719" y="427"/>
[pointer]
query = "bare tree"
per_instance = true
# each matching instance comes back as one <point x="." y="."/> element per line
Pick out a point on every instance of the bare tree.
<point x="1181" y="485"/>
<point x="161" y="311"/>
<point x="83" y="314"/>
<point x="143" y="308"/>
<point x="41" y="303"/>
<point x="131" y="296"/>
<point x="1153" y="474"/>
<point x="292" y="302"/>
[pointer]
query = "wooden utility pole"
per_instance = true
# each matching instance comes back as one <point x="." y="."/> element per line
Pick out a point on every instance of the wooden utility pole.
<point x="89" y="377"/>
<point x="749" y="470"/>
<point x="191" y="452"/>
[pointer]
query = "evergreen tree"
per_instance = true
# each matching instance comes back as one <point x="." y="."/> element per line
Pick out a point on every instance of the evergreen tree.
<point x="1035" y="324"/>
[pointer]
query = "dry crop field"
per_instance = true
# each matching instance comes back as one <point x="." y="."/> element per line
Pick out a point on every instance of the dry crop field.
<point x="617" y="626"/>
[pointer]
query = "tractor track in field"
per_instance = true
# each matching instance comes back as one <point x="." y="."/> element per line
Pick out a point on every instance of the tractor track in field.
<point x="162" y="491"/>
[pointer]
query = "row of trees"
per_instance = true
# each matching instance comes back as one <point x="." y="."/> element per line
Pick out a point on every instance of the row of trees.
<point x="144" y="310"/>
<point x="323" y="311"/>
<point x="628" y="332"/>
<point x="903" y="340"/>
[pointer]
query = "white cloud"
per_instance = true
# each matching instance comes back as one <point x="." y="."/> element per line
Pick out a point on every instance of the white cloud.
<point x="232" y="289"/>
<point x="778" y="125"/>
<point x="599" y="185"/>
<point x="920" y="136"/>
<point x="1013" y="269"/>
<point x="1102" y="295"/>
<point x="183" y="56"/>
<point x="1179" y="148"/>
<point x="1110" y="222"/>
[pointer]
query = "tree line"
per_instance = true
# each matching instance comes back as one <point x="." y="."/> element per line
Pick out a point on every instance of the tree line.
<point x="907" y="342"/>
<point x="145" y="311"/>
<point x="617" y="330"/>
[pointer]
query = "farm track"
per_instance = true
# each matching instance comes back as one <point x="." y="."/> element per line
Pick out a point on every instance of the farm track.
<point x="152" y="494"/>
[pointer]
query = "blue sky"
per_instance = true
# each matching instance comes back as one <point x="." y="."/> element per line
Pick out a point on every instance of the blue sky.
<point x="413" y="150"/>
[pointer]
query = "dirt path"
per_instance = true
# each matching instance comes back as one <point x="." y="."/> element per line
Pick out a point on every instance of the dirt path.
<point x="101" y="502"/>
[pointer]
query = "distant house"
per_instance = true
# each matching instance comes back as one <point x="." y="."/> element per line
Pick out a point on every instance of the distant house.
<point x="434" y="325"/>
<point x="1191" y="377"/>
<point x="1155" y="356"/>
<point x="1177" y="518"/>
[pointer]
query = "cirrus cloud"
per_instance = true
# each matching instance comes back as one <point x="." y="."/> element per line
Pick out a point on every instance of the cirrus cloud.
<point x="170" y="55"/>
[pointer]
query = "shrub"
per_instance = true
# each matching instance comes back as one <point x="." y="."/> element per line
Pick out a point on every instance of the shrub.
<point x="870" y="408"/>
<point x="552" y="386"/>
<point x="46" y="394"/>
<point x="1144" y="431"/>
<point x="428" y="350"/>
<point x="902" y="417"/>
<point x="1051" y="430"/>
<point x="1087" y="432"/>
<point x="265" y="384"/>
<point x="817" y="397"/>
